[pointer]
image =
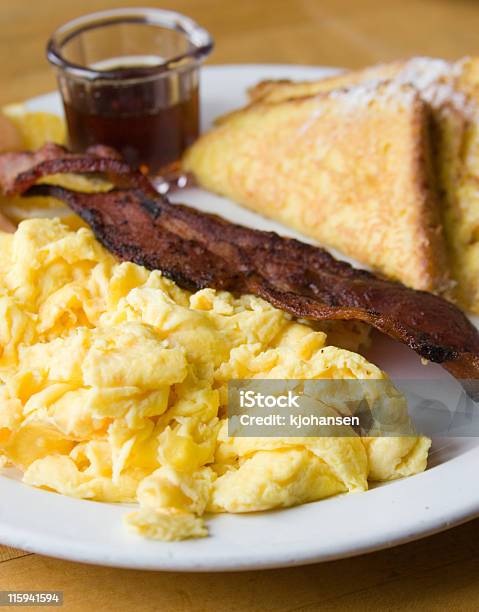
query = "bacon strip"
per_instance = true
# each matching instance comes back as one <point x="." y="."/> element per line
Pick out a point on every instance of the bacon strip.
<point x="200" y="250"/>
<point x="19" y="171"/>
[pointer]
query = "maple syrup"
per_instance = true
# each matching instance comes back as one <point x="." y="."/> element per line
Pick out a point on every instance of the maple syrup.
<point x="136" y="118"/>
<point x="129" y="78"/>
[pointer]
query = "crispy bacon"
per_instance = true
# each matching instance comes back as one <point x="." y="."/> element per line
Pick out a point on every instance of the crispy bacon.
<point x="19" y="171"/>
<point x="199" y="250"/>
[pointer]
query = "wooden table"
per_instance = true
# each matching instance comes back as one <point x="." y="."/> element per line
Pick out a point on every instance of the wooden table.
<point x="438" y="573"/>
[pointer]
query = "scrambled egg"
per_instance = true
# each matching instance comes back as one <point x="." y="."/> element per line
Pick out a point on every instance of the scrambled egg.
<point x="114" y="386"/>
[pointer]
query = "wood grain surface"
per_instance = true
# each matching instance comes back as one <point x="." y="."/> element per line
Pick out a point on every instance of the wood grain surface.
<point x="438" y="573"/>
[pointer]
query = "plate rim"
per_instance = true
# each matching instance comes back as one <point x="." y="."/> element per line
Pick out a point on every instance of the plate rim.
<point x="55" y="546"/>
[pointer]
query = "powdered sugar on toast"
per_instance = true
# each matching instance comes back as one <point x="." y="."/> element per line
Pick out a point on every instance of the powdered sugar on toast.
<point x="366" y="93"/>
<point x="435" y="80"/>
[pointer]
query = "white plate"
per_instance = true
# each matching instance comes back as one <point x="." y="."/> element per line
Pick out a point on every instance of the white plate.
<point x="443" y="496"/>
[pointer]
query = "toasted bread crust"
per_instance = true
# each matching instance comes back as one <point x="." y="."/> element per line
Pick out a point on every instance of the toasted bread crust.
<point x="351" y="168"/>
<point x="284" y="89"/>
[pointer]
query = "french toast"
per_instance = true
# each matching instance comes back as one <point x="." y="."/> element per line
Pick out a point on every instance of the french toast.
<point x="452" y="90"/>
<point x="351" y="168"/>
